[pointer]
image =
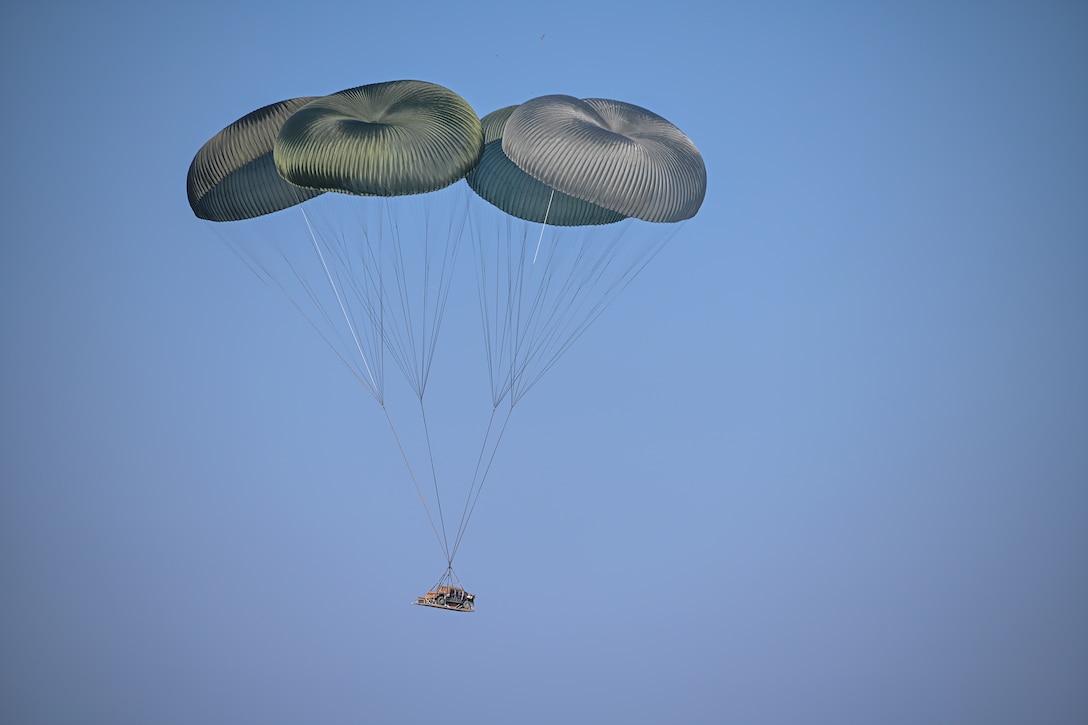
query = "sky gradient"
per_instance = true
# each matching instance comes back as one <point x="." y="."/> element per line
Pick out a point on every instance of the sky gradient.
<point x="824" y="461"/>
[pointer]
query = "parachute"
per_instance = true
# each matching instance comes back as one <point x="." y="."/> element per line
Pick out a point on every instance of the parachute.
<point x="385" y="139"/>
<point x="233" y="176"/>
<point x="613" y="154"/>
<point x="564" y="202"/>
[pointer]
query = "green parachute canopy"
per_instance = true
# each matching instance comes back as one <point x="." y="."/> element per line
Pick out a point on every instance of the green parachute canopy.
<point x="383" y="139"/>
<point x="233" y="177"/>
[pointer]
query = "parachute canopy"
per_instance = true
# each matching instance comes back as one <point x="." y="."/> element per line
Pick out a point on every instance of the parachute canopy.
<point x="233" y="177"/>
<point x="612" y="154"/>
<point x="498" y="180"/>
<point x="384" y="139"/>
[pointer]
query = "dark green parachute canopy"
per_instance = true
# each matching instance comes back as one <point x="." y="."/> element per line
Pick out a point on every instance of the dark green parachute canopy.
<point x="233" y="176"/>
<point x="384" y="139"/>
<point x="500" y="182"/>
<point x="612" y="154"/>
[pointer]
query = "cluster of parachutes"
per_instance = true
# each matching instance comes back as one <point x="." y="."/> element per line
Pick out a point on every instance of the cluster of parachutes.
<point x="552" y="162"/>
<point x="554" y="159"/>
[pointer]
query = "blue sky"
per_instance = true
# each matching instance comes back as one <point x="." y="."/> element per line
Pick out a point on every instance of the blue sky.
<point x="825" y="461"/>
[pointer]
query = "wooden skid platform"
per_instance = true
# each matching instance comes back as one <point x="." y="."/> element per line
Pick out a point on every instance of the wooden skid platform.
<point x="450" y="607"/>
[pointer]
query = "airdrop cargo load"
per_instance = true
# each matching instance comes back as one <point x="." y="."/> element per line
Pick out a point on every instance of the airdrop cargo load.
<point x="448" y="597"/>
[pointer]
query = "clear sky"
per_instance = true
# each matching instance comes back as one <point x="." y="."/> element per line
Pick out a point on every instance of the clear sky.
<point x="825" y="461"/>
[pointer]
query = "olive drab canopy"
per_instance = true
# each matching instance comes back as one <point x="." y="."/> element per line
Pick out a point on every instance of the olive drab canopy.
<point x="612" y="154"/>
<point x="383" y="139"/>
<point x="497" y="180"/>
<point x="233" y="177"/>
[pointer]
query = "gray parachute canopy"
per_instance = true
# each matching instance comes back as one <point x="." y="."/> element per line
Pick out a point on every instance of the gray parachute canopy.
<point x="233" y="176"/>
<point x="612" y="154"/>
<point x="385" y="139"/>
<point x="498" y="180"/>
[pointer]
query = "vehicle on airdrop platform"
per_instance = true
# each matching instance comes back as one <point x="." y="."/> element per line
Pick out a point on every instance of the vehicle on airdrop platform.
<point x="449" y="597"/>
